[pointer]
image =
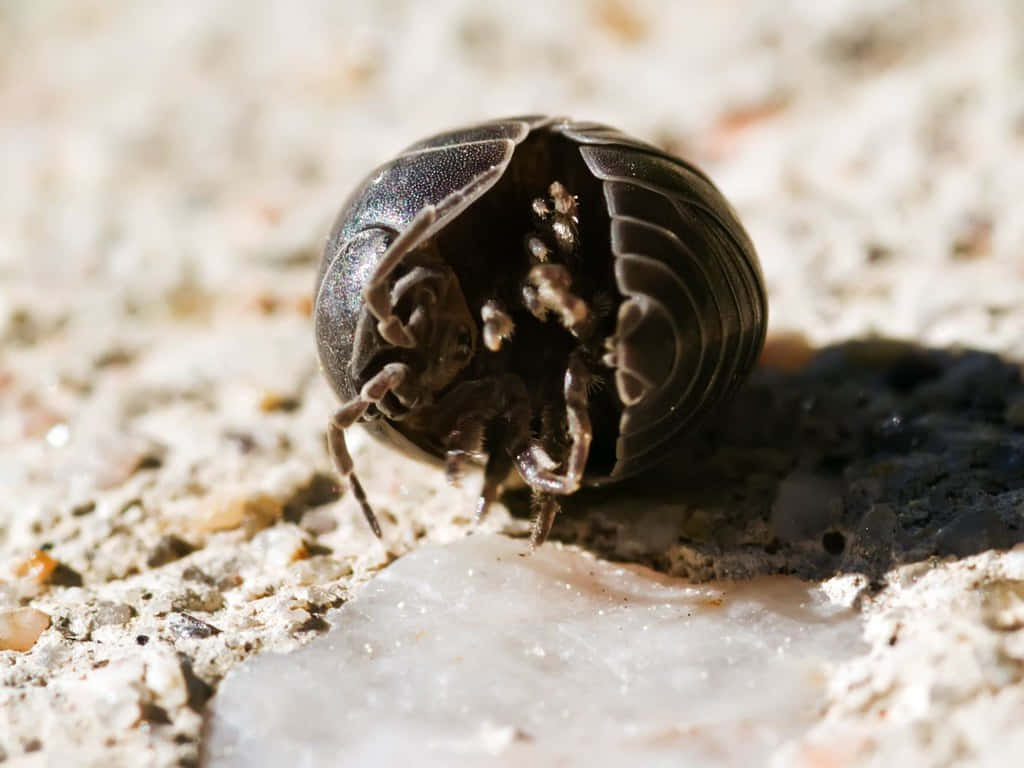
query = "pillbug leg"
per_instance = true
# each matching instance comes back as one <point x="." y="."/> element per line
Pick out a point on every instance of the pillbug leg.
<point x="546" y="288"/>
<point x="531" y="300"/>
<point x="577" y="380"/>
<point x="376" y="293"/>
<point x="531" y="466"/>
<point x="424" y="288"/>
<point x="539" y="254"/>
<point x="536" y="467"/>
<point x="551" y="284"/>
<point x="545" y="509"/>
<point x="462" y="445"/>
<point x="564" y="219"/>
<point x="496" y="410"/>
<point x="560" y="217"/>
<point x="390" y="377"/>
<point x="565" y="204"/>
<point x="498" y="325"/>
<point x="499" y="463"/>
<point x="345" y="417"/>
<point x="462" y="417"/>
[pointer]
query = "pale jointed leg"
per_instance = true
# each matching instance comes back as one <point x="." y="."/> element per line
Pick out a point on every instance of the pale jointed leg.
<point x="498" y="325"/>
<point x="530" y="465"/>
<point x="550" y="292"/>
<point x="498" y="409"/>
<point x="390" y="376"/>
<point x="547" y="287"/>
<point x="561" y="217"/>
<point x="377" y="293"/>
<point x="545" y="509"/>
<point x="498" y="465"/>
<point x="463" y="444"/>
<point x="462" y="417"/>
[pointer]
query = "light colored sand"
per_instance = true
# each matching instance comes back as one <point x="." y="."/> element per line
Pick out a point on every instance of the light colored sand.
<point x="170" y="171"/>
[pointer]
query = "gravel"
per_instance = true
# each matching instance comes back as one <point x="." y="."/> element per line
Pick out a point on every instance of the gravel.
<point x="170" y="173"/>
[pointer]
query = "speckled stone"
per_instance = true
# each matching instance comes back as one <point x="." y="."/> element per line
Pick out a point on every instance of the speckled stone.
<point x="472" y="653"/>
<point x="170" y="172"/>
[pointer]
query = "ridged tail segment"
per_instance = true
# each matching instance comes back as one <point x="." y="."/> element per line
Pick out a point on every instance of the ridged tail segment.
<point x="694" y="314"/>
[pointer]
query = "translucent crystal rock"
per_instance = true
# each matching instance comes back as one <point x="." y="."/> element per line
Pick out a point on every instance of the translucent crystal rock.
<point x="473" y="653"/>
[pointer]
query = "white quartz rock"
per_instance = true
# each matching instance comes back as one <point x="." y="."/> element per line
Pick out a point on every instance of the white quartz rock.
<point x="474" y="654"/>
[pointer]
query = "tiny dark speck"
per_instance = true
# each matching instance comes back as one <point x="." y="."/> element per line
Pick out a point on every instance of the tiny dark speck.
<point x="154" y="713"/>
<point x="834" y="542"/>
<point x="141" y="639"/>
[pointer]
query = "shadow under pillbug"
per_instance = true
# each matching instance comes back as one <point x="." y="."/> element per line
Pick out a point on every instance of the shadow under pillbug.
<point x="539" y="295"/>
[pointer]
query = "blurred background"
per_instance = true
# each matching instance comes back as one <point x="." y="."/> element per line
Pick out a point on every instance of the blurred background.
<point x="874" y="148"/>
<point x="169" y="174"/>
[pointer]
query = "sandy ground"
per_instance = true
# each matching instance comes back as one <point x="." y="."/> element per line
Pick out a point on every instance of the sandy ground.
<point x="170" y="173"/>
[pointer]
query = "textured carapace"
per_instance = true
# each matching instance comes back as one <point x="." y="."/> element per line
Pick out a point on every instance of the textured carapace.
<point x="536" y="294"/>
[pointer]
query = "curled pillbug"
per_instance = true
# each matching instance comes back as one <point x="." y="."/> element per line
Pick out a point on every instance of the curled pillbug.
<point x="536" y="295"/>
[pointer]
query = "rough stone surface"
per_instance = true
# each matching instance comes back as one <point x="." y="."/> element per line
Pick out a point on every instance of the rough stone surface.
<point x="871" y="454"/>
<point x="474" y="652"/>
<point x="170" y="171"/>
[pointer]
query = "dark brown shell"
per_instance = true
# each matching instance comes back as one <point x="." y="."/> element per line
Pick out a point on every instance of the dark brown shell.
<point x="692" y="309"/>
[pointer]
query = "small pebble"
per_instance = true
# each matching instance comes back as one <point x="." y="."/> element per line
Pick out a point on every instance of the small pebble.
<point x="192" y="573"/>
<point x="319" y="521"/>
<point x="973" y="237"/>
<point x="320" y="570"/>
<point x="277" y="401"/>
<point x="113" y="614"/>
<point x="1003" y="604"/>
<point x="168" y="549"/>
<point x="164" y="677"/>
<point x="37" y="567"/>
<point x="207" y="600"/>
<point x="21" y="627"/>
<point x="186" y="625"/>
<point x="225" y="510"/>
<point x="281" y="546"/>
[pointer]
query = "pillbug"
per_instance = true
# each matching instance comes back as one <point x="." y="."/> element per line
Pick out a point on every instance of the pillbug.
<point x="536" y="295"/>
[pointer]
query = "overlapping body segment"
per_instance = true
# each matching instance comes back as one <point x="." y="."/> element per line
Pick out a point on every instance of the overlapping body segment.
<point x="385" y="204"/>
<point x="694" y="314"/>
<point x="536" y="294"/>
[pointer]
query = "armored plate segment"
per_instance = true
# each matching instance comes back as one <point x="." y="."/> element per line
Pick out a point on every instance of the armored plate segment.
<point x="691" y="309"/>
